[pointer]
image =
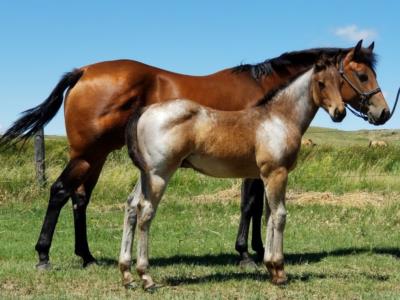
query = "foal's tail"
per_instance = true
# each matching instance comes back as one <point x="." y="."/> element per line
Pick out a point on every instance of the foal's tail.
<point x="35" y="118"/>
<point x="131" y="137"/>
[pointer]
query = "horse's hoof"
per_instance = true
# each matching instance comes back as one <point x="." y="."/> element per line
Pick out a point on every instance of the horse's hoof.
<point x="88" y="264"/>
<point x="248" y="264"/>
<point x="131" y="285"/>
<point x="43" y="266"/>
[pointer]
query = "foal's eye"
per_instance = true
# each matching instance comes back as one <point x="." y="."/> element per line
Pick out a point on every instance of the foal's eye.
<point x="363" y="77"/>
<point x="321" y="85"/>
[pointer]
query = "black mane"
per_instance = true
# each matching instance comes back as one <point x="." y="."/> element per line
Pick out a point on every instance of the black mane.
<point x="303" y="58"/>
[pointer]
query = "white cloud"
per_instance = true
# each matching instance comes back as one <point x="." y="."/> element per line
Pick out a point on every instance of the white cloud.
<point x="1" y="128"/>
<point x="353" y="34"/>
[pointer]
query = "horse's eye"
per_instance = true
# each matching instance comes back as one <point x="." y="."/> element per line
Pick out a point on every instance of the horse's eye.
<point x="321" y="85"/>
<point x="363" y="77"/>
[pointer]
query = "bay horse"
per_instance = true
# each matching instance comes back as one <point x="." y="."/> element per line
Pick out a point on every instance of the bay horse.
<point x="101" y="97"/>
<point x="258" y="142"/>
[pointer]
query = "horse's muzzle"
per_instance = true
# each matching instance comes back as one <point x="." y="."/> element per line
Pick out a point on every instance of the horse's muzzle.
<point x="380" y="118"/>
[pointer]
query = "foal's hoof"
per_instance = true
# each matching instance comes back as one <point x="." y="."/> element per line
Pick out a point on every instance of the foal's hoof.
<point x="131" y="285"/>
<point x="43" y="266"/>
<point x="277" y="273"/>
<point x="279" y="280"/>
<point x="248" y="264"/>
<point x="152" y="288"/>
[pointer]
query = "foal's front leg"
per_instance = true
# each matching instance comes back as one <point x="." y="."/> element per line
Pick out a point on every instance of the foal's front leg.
<point x="275" y="187"/>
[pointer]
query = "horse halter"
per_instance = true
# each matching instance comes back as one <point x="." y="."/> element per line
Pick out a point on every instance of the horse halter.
<point x="364" y="96"/>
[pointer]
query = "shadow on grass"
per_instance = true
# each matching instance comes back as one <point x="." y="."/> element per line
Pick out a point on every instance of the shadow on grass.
<point x="229" y="259"/>
<point x="263" y="277"/>
<point x="314" y="257"/>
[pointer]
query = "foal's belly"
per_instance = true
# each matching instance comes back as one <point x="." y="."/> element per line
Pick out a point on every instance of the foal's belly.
<point x="223" y="168"/>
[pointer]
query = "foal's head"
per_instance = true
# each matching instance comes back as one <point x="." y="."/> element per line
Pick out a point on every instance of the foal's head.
<point x="325" y="87"/>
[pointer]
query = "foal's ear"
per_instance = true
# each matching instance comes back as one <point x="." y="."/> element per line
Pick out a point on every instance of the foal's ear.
<point x="321" y="63"/>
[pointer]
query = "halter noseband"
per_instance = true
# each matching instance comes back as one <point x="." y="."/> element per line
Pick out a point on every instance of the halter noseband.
<point x="364" y="96"/>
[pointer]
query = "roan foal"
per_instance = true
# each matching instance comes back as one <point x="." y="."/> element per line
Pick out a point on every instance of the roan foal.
<point x="258" y="142"/>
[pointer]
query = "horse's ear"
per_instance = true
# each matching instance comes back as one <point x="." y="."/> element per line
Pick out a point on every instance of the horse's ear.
<point x="352" y="53"/>
<point x="357" y="48"/>
<point x="371" y="47"/>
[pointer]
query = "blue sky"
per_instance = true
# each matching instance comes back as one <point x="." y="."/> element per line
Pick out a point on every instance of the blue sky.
<point x="40" y="40"/>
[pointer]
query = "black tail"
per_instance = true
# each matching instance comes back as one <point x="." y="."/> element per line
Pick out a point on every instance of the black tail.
<point x="35" y="118"/>
<point x="131" y="138"/>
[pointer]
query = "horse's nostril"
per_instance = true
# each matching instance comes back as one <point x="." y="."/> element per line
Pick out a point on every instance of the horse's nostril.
<point x="336" y="112"/>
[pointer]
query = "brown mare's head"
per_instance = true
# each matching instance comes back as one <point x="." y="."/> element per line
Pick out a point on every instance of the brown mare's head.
<point x="360" y="89"/>
<point x="325" y="88"/>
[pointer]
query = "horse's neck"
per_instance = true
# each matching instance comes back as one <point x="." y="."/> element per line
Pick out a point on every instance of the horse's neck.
<point x="275" y="80"/>
<point x="295" y="102"/>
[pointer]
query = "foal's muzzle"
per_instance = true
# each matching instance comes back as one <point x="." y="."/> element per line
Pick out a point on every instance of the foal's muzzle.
<point x="338" y="115"/>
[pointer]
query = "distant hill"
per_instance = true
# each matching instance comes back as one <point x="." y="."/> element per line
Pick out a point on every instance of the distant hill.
<point x="330" y="136"/>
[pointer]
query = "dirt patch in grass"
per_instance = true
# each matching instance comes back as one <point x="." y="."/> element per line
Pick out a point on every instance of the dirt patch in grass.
<point x="352" y="199"/>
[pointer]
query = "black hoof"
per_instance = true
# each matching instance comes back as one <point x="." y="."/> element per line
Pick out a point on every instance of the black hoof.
<point x="87" y="264"/>
<point x="43" y="266"/>
<point x="248" y="264"/>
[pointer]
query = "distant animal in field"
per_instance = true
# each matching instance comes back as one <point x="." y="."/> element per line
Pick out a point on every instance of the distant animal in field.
<point x="377" y="144"/>
<point x="307" y="142"/>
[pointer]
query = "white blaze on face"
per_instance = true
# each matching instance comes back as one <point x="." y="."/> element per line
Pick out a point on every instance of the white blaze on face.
<point x="273" y="133"/>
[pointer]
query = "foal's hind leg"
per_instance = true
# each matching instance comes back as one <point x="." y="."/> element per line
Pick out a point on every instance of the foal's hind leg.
<point x="130" y="220"/>
<point x="251" y="206"/>
<point x="153" y="187"/>
<point x="72" y="176"/>
<point x="80" y="201"/>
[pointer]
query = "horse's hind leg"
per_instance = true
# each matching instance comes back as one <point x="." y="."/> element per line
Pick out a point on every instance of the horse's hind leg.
<point x="80" y="201"/>
<point x="251" y="197"/>
<point x="257" y="212"/>
<point x="72" y="176"/>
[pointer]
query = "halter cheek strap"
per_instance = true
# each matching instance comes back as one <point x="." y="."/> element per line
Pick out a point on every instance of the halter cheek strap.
<point x="364" y="96"/>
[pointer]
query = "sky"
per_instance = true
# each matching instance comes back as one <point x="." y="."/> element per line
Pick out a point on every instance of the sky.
<point x="41" y="40"/>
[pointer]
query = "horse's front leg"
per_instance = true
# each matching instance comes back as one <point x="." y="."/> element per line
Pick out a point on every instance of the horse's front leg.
<point x="130" y="220"/>
<point x="251" y="206"/>
<point x="275" y="187"/>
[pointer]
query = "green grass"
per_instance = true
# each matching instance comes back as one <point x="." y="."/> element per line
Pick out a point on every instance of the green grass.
<point x="332" y="251"/>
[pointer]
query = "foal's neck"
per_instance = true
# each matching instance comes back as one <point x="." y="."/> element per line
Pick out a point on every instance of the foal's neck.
<point x="295" y="102"/>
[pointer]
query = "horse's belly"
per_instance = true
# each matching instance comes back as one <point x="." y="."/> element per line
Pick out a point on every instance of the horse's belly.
<point x="223" y="168"/>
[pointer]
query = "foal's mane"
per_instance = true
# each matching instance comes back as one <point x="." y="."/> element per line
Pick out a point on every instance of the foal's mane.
<point x="272" y="93"/>
<point x="302" y="59"/>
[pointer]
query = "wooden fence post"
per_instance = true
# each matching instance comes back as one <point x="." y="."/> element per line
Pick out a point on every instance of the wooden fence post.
<point x="39" y="157"/>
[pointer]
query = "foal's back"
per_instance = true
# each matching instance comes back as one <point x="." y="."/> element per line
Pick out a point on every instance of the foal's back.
<point x="184" y="133"/>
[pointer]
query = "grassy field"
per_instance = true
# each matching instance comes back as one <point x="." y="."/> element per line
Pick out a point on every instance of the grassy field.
<point x="342" y="249"/>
